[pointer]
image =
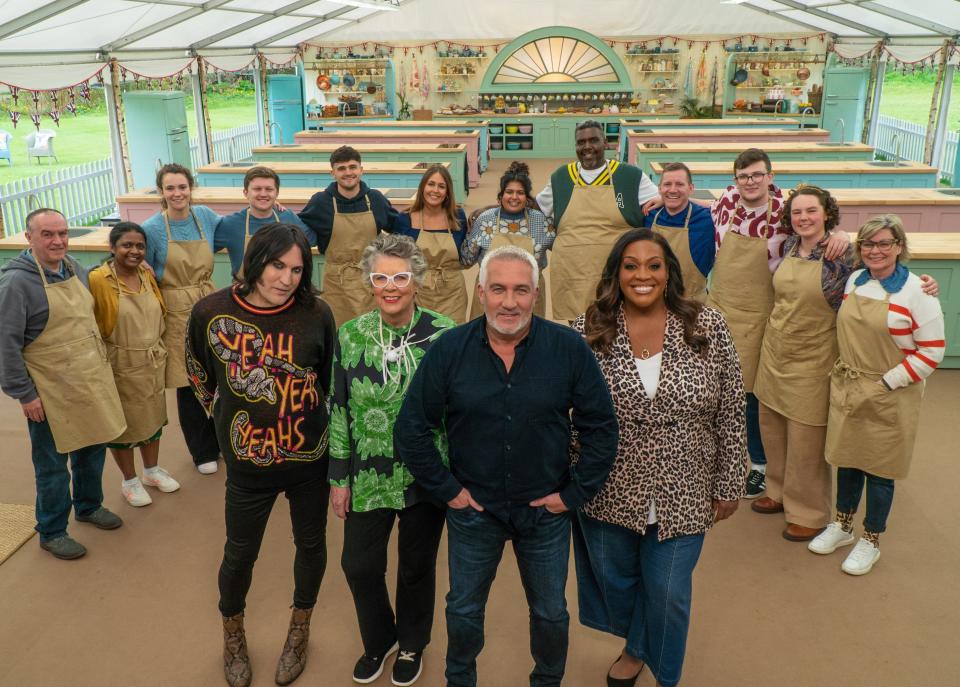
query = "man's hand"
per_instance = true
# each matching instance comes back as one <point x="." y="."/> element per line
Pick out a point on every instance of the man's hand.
<point x="724" y="509"/>
<point x="836" y="245"/>
<point x="33" y="410"/>
<point x="463" y="500"/>
<point x="929" y="285"/>
<point x="340" y="500"/>
<point x="552" y="502"/>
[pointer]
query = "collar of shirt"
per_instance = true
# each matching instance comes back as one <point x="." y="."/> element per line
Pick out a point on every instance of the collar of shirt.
<point x="892" y="284"/>
<point x="588" y="175"/>
<point x="525" y="342"/>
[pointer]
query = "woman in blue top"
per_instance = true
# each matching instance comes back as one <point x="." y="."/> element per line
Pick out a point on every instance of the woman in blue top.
<point x="438" y="227"/>
<point x="181" y="240"/>
<point x="513" y="223"/>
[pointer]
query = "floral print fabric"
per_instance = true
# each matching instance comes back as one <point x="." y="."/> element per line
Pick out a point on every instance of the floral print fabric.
<point x="366" y="394"/>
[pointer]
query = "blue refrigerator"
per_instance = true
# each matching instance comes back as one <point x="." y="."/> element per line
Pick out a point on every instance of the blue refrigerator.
<point x="156" y="132"/>
<point x="285" y="103"/>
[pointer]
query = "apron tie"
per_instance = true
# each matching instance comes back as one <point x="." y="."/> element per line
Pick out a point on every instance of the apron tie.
<point x="842" y="369"/>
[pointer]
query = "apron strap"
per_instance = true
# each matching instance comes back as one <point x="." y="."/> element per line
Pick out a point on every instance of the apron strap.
<point x="166" y="224"/>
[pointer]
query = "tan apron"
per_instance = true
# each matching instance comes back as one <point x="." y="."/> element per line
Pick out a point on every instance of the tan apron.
<point x="507" y="238"/>
<point x="870" y="428"/>
<point x="68" y="365"/>
<point x="799" y="345"/>
<point x="343" y="287"/>
<point x="138" y="358"/>
<point x="186" y="279"/>
<point x="247" y="235"/>
<point x="444" y="289"/>
<point x="741" y="287"/>
<point x="587" y="231"/>
<point x="694" y="283"/>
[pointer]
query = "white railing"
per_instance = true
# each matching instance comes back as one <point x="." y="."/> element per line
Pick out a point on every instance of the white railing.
<point x="910" y="138"/>
<point x="229" y="145"/>
<point x="83" y="193"/>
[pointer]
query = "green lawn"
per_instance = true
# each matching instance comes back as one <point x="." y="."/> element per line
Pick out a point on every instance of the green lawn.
<point x="86" y="137"/>
<point x="909" y="98"/>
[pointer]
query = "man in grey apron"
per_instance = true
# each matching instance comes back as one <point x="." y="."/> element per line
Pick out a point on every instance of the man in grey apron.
<point x="54" y="362"/>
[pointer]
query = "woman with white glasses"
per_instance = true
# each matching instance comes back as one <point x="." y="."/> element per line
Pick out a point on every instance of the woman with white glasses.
<point x="375" y="357"/>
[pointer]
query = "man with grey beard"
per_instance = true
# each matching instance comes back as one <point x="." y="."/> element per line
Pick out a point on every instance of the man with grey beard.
<point x="505" y="389"/>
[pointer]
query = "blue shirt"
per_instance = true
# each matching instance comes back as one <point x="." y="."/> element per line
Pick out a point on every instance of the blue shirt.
<point x="508" y="433"/>
<point x="700" y="233"/>
<point x="404" y="225"/>
<point x="180" y="230"/>
<point x="233" y="226"/>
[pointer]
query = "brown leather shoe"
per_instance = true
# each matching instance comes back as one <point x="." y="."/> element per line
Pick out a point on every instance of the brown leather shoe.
<point x="766" y="505"/>
<point x="795" y="532"/>
<point x="293" y="659"/>
<point x="236" y="661"/>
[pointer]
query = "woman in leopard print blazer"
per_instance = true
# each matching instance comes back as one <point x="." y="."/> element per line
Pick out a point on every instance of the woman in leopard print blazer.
<point x="675" y="380"/>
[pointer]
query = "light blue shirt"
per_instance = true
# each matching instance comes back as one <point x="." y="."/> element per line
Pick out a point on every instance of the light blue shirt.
<point x="233" y="226"/>
<point x="180" y="230"/>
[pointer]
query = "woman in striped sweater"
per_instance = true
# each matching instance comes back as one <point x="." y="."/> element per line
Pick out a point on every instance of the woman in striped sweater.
<point x="890" y="337"/>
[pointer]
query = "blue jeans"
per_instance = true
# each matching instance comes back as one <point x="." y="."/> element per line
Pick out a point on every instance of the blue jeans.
<point x="542" y="547"/>
<point x="633" y="586"/>
<point x="53" y="481"/>
<point x="879" y="496"/>
<point x="754" y="442"/>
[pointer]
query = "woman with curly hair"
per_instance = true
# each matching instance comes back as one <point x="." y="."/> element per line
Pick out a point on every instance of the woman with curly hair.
<point x="681" y="463"/>
<point x="799" y="348"/>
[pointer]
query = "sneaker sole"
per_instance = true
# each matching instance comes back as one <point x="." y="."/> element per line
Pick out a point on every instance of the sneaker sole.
<point x="164" y="490"/>
<point x="409" y="682"/>
<point x="138" y="505"/>
<point x="62" y="557"/>
<point x="755" y="496"/>
<point x="366" y="681"/>
<point x="858" y="573"/>
<point x="826" y="552"/>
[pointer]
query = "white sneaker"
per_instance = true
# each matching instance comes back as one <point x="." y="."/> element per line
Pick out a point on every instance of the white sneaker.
<point x="860" y="561"/>
<point x="160" y="479"/>
<point x="831" y="539"/>
<point x="135" y="494"/>
<point x="207" y="468"/>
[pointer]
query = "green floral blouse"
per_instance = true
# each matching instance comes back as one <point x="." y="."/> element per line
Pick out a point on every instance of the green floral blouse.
<point x="367" y="390"/>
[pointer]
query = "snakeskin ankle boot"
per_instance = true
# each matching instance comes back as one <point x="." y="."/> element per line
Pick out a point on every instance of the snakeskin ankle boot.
<point x="294" y="655"/>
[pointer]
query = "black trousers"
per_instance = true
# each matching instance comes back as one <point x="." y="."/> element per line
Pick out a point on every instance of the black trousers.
<point x="364" y="562"/>
<point x="198" y="430"/>
<point x="247" y="512"/>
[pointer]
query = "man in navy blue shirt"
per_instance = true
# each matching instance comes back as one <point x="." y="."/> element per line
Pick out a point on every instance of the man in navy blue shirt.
<point x="506" y="388"/>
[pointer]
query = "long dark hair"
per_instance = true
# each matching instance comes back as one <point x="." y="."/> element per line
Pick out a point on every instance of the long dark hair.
<point x="269" y="243"/>
<point x="600" y="327"/>
<point x="449" y="203"/>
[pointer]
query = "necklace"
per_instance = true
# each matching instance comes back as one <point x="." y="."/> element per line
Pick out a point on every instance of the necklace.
<point x="644" y="353"/>
<point x="400" y="355"/>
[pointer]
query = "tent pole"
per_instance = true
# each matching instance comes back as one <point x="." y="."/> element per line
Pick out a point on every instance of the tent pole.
<point x="938" y="141"/>
<point x="869" y="107"/>
<point x="119" y="121"/>
<point x="877" y="98"/>
<point x="262" y="62"/>
<point x="201" y="112"/>
<point x="934" y="103"/>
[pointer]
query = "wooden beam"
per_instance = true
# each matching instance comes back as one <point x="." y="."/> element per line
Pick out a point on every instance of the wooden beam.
<point x="120" y="121"/>
<point x="935" y="102"/>
<point x="264" y="97"/>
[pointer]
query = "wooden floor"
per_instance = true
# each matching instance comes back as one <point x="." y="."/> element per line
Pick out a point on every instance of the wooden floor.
<point x="140" y="608"/>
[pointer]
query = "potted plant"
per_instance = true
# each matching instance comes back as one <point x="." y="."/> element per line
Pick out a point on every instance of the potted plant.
<point x="690" y="108"/>
<point x="404" y="111"/>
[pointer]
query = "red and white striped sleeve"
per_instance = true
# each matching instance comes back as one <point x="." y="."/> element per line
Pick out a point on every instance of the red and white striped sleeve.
<point x="916" y="325"/>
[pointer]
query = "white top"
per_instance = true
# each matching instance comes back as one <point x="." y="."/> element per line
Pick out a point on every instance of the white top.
<point x="649" y="371"/>
<point x="645" y="191"/>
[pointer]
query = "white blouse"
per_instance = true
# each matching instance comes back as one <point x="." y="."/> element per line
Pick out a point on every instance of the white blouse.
<point x="649" y="371"/>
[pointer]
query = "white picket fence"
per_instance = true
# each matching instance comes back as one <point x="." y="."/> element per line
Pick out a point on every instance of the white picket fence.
<point x="83" y="193"/>
<point x="910" y="138"/>
<point x="229" y="145"/>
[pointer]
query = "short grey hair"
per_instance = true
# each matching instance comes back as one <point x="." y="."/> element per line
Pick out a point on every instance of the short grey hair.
<point x="515" y="253"/>
<point x="394" y="246"/>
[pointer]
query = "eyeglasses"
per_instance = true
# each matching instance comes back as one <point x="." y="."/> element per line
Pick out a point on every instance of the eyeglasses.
<point x="401" y="279"/>
<point x="884" y="245"/>
<point x="750" y="178"/>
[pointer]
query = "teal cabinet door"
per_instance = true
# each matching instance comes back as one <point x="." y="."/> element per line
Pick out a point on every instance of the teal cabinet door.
<point x="564" y="144"/>
<point x="544" y="135"/>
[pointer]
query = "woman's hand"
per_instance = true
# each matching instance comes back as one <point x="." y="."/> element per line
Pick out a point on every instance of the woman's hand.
<point x="340" y="499"/>
<point x="652" y="204"/>
<point x="724" y="509"/>
<point x="929" y="285"/>
<point x="837" y="245"/>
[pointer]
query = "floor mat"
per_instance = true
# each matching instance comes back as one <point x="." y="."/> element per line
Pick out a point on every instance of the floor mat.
<point x="16" y="527"/>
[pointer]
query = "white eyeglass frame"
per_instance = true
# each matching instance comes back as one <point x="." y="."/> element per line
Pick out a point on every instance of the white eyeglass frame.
<point x="391" y="279"/>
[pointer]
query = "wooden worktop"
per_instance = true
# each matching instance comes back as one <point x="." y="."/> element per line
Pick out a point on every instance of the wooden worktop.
<point x="470" y="130"/>
<point x="204" y="195"/>
<point x="728" y="147"/>
<point x="728" y="132"/>
<point x="694" y="123"/>
<point x="409" y="124"/>
<point x="821" y="167"/>
<point x="365" y="148"/>
<point x="284" y="167"/>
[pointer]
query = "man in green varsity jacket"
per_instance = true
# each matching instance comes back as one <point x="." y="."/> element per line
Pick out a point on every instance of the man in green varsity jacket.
<point x="591" y="202"/>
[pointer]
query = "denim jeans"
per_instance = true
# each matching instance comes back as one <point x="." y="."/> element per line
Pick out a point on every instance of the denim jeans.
<point x="633" y="586"/>
<point x="879" y="496"/>
<point x="247" y="511"/>
<point x="53" y="481"/>
<point x="542" y="547"/>
<point x="754" y="442"/>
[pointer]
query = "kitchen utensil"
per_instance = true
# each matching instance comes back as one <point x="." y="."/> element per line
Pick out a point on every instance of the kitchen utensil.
<point x="513" y="146"/>
<point x="348" y="80"/>
<point x="512" y="128"/>
<point x="739" y="77"/>
<point x="803" y="73"/>
<point x="525" y="128"/>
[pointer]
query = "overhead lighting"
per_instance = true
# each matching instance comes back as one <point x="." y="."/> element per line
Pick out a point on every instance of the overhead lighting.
<point x="389" y="6"/>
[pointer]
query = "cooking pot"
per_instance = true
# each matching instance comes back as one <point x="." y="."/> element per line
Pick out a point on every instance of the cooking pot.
<point x="739" y="77"/>
<point x="803" y="73"/>
<point x="323" y="83"/>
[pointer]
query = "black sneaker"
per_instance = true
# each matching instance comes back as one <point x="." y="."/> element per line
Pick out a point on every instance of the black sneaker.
<point x="756" y="484"/>
<point x="369" y="668"/>
<point x="407" y="668"/>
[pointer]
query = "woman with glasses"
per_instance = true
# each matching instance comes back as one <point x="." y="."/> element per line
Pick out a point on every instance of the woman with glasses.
<point x="890" y="336"/>
<point x="375" y="357"/>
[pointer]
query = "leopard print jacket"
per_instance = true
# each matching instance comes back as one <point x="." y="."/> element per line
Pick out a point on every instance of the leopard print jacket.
<point x="686" y="446"/>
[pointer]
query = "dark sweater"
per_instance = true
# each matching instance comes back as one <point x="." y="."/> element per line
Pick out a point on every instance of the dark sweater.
<point x="264" y="373"/>
<point x="318" y="212"/>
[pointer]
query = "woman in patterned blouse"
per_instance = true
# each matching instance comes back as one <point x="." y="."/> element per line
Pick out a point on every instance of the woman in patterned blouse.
<point x="512" y="222"/>
<point x="681" y="463"/>
<point x="374" y="359"/>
